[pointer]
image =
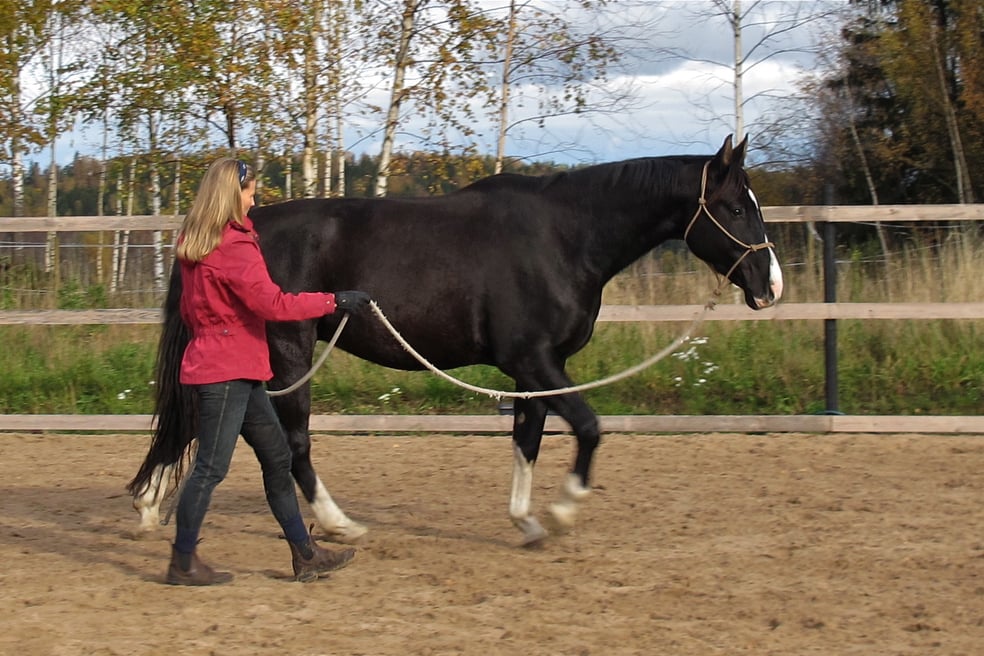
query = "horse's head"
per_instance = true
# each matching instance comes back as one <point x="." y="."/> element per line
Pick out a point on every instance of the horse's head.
<point x="728" y="232"/>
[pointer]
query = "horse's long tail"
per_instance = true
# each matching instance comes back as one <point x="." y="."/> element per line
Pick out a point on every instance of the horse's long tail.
<point x="176" y="407"/>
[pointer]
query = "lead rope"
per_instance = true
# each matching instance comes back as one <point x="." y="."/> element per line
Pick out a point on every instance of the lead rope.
<point x="500" y="394"/>
<point x="317" y="365"/>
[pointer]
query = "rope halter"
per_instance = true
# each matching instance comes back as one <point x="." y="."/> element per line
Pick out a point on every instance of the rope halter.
<point x="702" y="209"/>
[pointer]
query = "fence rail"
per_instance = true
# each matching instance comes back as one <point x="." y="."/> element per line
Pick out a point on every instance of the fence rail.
<point x="609" y="313"/>
<point x="501" y="424"/>
<point x="829" y="423"/>
<point x="772" y="214"/>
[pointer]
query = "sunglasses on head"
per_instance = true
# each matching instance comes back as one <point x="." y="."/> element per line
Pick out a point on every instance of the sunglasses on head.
<point x="243" y="172"/>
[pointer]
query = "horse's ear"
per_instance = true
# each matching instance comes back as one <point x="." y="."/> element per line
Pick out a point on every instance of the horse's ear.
<point x="730" y="157"/>
<point x="738" y="155"/>
<point x="724" y="154"/>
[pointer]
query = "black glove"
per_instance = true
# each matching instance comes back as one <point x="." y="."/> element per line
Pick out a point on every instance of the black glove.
<point x="351" y="301"/>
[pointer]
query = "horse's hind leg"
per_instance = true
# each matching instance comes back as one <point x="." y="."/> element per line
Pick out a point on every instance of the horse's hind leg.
<point x="148" y="501"/>
<point x="330" y="517"/>
<point x="528" y="418"/>
<point x="584" y="423"/>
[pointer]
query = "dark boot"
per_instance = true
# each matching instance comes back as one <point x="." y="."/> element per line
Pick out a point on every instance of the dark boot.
<point x="311" y="560"/>
<point x="188" y="569"/>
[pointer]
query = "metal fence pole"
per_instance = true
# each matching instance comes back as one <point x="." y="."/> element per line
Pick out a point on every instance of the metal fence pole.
<point x="830" y="325"/>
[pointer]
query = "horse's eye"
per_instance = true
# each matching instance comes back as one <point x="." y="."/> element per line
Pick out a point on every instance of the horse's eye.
<point x="737" y="211"/>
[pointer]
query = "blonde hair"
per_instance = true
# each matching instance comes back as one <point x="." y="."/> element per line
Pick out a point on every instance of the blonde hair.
<point x="218" y="201"/>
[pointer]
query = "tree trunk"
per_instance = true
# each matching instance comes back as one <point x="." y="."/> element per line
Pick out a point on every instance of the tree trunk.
<point x="259" y="165"/>
<point x="500" y="149"/>
<point x="339" y="154"/>
<point x="101" y="199"/>
<point x="336" y="78"/>
<point x="176" y="210"/>
<point x="870" y="181"/>
<point x="16" y="156"/>
<point x="739" y="72"/>
<point x="17" y="175"/>
<point x="115" y="268"/>
<point x="397" y="95"/>
<point x="155" y="200"/>
<point x="965" y="191"/>
<point x="131" y="190"/>
<point x="288" y="176"/>
<point x="51" y="243"/>
<point x="309" y="165"/>
<point x="326" y="177"/>
<point x="51" y="258"/>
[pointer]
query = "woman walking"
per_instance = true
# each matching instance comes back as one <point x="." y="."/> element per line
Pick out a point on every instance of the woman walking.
<point x="227" y="298"/>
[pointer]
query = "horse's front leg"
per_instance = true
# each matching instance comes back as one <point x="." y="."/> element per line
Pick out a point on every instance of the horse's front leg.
<point x="528" y="419"/>
<point x="330" y="517"/>
<point x="147" y="502"/>
<point x="550" y="374"/>
<point x="291" y="348"/>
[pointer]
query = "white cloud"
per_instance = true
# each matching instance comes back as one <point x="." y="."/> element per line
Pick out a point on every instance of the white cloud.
<point x="684" y="103"/>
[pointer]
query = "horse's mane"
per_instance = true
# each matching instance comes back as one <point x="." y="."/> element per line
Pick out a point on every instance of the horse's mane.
<point x="643" y="174"/>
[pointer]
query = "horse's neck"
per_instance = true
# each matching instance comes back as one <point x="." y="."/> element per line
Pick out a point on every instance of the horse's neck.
<point x="630" y="207"/>
<point x="621" y="234"/>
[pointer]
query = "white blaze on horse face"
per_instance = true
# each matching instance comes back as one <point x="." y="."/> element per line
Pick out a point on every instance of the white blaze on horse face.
<point x="775" y="273"/>
<point x="775" y="276"/>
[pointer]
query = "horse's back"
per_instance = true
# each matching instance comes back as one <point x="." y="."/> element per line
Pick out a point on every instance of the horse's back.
<point x="457" y="274"/>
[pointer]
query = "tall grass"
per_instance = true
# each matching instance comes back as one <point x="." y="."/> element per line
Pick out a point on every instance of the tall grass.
<point x="753" y="367"/>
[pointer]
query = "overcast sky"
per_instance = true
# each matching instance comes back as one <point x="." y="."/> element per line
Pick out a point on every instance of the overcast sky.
<point x="681" y="72"/>
<point x="684" y="77"/>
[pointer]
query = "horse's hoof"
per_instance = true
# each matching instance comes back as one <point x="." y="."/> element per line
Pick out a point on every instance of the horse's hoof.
<point x="139" y="533"/>
<point x="573" y="489"/>
<point x="563" y="515"/>
<point x="348" y="534"/>
<point x="533" y="533"/>
<point x="532" y="543"/>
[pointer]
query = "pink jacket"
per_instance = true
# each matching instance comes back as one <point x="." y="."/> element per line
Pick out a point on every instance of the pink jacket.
<point x="226" y="300"/>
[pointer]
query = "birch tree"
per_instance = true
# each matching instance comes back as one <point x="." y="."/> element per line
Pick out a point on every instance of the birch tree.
<point x="555" y="61"/>
<point x="761" y="31"/>
<point x="427" y="54"/>
<point x="23" y="30"/>
<point x="149" y="83"/>
<point x="398" y="91"/>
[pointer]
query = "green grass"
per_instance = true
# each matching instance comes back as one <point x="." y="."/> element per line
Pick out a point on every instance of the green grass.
<point x="770" y="367"/>
<point x="917" y="367"/>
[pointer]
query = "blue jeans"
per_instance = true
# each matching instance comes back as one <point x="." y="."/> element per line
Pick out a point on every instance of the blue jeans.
<point x="227" y="410"/>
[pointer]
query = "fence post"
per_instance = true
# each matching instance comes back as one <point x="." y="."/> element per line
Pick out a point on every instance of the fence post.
<point x="830" y="325"/>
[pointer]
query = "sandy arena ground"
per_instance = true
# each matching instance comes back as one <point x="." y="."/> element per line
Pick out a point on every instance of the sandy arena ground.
<point x="691" y="545"/>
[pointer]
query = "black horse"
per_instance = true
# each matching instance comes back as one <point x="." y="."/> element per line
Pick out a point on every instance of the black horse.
<point x="507" y="272"/>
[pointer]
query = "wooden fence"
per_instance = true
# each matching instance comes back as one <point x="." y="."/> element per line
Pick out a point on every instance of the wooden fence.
<point x="828" y="423"/>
